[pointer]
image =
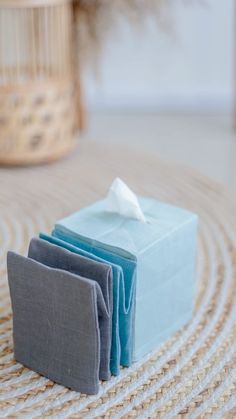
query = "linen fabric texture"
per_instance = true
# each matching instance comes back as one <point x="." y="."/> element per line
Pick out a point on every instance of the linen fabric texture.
<point x="56" y="257"/>
<point x="158" y="261"/>
<point x="123" y="296"/>
<point x="61" y="320"/>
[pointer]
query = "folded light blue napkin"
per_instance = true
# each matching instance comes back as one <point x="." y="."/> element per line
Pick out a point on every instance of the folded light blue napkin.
<point x="57" y="318"/>
<point x="127" y="283"/>
<point x="123" y="299"/>
<point x="56" y="257"/>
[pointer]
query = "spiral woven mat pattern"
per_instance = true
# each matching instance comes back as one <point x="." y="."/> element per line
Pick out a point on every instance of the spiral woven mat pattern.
<point x="193" y="374"/>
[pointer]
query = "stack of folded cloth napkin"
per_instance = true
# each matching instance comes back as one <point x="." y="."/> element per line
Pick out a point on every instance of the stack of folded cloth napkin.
<point x="111" y="283"/>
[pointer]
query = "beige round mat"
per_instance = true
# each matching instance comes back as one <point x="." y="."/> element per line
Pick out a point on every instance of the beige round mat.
<point x="191" y="375"/>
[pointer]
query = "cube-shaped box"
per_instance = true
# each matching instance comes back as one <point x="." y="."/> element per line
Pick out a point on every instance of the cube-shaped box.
<point x="165" y="251"/>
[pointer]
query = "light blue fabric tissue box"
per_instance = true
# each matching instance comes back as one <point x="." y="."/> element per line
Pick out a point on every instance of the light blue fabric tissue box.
<point x="164" y="249"/>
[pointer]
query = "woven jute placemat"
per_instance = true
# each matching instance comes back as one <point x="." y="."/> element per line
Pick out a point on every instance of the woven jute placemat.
<point x="191" y="375"/>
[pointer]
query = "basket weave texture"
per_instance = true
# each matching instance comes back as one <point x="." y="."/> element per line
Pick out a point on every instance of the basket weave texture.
<point x="192" y="375"/>
<point x="38" y="118"/>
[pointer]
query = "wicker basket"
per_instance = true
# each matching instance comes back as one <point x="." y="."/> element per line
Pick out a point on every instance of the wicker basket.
<point x="38" y="99"/>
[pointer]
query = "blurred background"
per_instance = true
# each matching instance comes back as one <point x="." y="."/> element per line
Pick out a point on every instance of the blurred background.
<point x="171" y="87"/>
<point x="158" y="75"/>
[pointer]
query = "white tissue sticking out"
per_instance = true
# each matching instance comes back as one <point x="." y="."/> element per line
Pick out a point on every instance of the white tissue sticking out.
<point x="123" y="201"/>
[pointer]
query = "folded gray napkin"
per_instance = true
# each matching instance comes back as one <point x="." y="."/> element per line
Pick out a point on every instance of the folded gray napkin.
<point x="58" y="318"/>
<point x="57" y="257"/>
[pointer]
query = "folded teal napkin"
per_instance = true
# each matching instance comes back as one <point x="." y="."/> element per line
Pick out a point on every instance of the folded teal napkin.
<point x="123" y="301"/>
<point x="126" y="290"/>
<point x="58" y="320"/>
<point x="56" y="257"/>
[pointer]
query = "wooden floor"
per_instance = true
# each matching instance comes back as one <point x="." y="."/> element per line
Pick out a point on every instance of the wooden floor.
<point x="207" y="143"/>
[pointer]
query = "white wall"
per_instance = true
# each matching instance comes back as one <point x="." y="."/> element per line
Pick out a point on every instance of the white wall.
<point x="190" y="69"/>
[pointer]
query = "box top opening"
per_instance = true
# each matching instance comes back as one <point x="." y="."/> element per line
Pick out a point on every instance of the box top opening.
<point x="121" y="235"/>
